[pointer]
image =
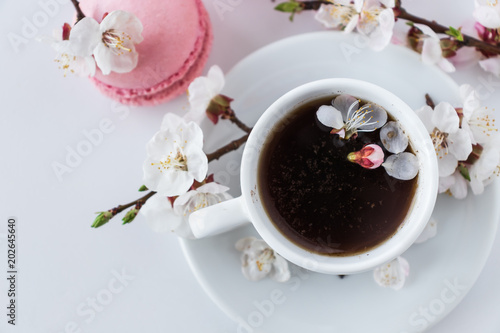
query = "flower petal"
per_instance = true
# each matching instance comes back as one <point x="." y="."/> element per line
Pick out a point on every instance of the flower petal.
<point x="381" y="35"/>
<point x="352" y="24"/>
<point x="375" y="117"/>
<point x="446" y="65"/>
<point x="491" y="65"/>
<point x="392" y="274"/>
<point x="280" y="272"/>
<point x="447" y="164"/>
<point x="426" y="31"/>
<point x="197" y="163"/>
<point x="330" y="117"/>
<point x="459" y="188"/>
<point x="388" y="3"/>
<point x="403" y="166"/>
<point x="358" y="5"/>
<point x="484" y="168"/>
<point x="159" y="214"/>
<point x="213" y="188"/>
<point x="171" y="120"/>
<point x="84" y="37"/>
<point x="204" y="88"/>
<point x="123" y="22"/>
<point x="216" y="77"/>
<point x="336" y="16"/>
<point x="459" y="144"/>
<point x="431" y="51"/>
<point x="393" y="138"/>
<point x="108" y="61"/>
<point x="445" y="118"/>
<point x="488" y="16"/>
<point x="429" y="232"/>
<point x="425" y="114"/>
<point x="244" y="243"/>
<point x="469" y="100"/>
<point x="346" y="104"/>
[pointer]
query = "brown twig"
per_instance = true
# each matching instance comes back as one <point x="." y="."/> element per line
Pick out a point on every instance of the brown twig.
<point x="313" y="5"/>
<point x="429" y="101"/>
<point x="79" y="14"/>
<point x="239" y="123"/>
<point x="232" y="146"/>
<point x="438" y="28"/>
<point x="141" y="201"/>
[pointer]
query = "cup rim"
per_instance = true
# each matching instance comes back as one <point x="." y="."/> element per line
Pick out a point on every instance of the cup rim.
<point x="423" y="200"/>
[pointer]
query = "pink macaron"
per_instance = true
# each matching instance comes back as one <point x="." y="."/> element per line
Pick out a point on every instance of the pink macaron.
<point x="177" y="40"/>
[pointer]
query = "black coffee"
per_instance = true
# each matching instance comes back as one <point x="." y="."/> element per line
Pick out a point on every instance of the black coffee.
<point x="321" y="201"/>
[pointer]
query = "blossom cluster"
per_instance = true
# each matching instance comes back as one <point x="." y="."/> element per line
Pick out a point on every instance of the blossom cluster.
<point x="176" y="166"/>
<point x="466" y="141"/>
<point x="374" y="19"/>
<point x="109" y="45"/>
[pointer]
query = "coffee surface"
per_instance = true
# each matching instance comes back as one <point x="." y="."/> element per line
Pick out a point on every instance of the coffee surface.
<point x="321" y="201"/>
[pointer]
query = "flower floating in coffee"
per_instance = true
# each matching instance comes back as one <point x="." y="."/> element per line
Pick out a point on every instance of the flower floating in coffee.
<point x="347" y="117"/>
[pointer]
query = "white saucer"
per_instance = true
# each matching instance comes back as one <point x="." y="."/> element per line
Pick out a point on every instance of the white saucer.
<point x="442" y="269"/>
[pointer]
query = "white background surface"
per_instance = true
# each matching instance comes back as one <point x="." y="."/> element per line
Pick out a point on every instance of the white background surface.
<point x="63" y="263"/>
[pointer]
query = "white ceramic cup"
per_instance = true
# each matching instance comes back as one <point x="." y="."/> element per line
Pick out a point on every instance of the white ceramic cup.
<point x="248" y="207"/>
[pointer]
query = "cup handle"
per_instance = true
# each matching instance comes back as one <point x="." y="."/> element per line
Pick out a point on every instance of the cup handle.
<point x="218" y="218"/>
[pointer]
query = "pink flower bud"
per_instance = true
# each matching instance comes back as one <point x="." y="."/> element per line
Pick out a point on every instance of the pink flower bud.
<point x="66" y="30"/>
<point x="370" y="157"/>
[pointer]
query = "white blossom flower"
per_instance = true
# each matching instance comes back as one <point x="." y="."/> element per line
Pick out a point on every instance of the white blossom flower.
<point x="478" y="121"/>
<point x="429" y="232"/>
<point x="377" y="22"/>
<point x="201" y="92"/>
<point x="372" y="18"/>
<point x="392" y="274"/>
<point x="487" y="12"/>
<point x="452" y="144"/>
<point x="346" y="119"/>
<point x="432" y="54"/>
<point x="162" y="216"/>
<point x="259" y="260"/>
<point x="112" y="42"/>
<point x="204" y="196"/>
<point x="175" y="157"/>
<point x="340" y="14"/>
<point x="68" y="59"/>
<point x="455" y="184"/>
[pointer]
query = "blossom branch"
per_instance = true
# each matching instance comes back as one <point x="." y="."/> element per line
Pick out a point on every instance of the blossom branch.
<point x="295" y="6"/>
<point x="79" y="14"/>
<point x="104" y="217"/>
<point x="235" y="120"/>
<point x="232" y="146"/>
<point x="438" y="28"/>
<point x="313" y="5"/>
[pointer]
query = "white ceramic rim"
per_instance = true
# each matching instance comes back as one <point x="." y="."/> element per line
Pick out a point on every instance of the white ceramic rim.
<point x="423" y="201"/>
